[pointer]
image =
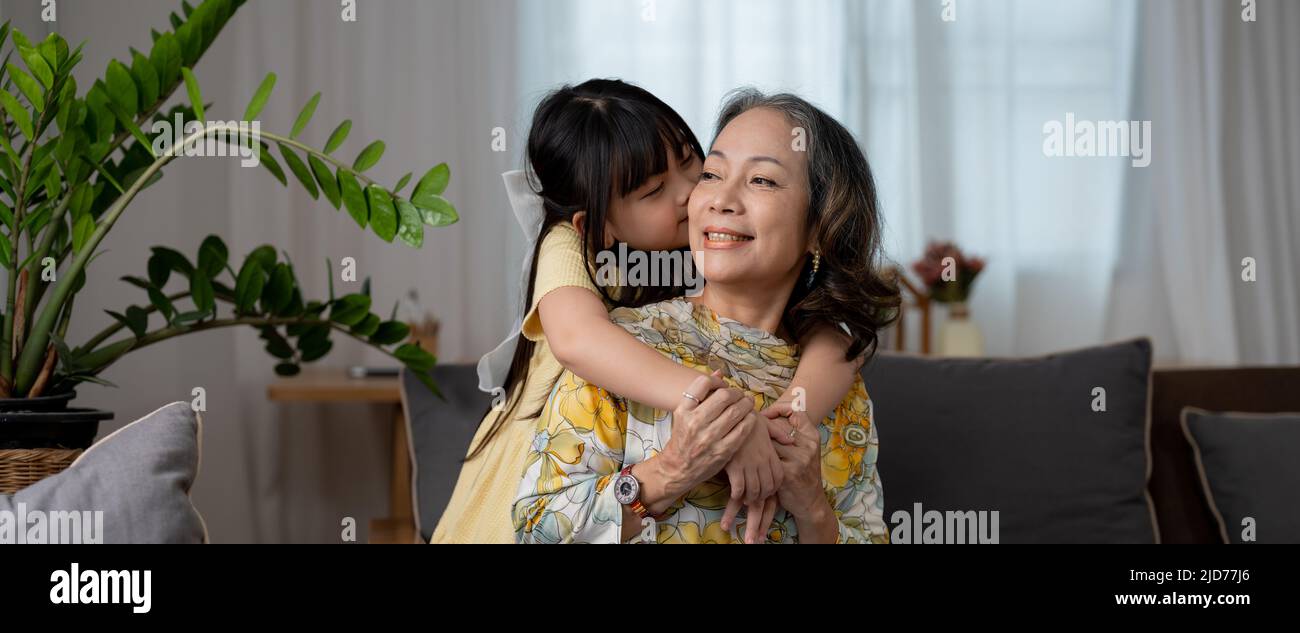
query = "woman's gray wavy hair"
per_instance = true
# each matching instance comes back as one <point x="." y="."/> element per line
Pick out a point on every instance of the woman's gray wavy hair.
<point x="849" y="290"/>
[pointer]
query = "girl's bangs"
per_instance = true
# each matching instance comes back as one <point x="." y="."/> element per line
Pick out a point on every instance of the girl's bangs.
<point x="641" y="151"/>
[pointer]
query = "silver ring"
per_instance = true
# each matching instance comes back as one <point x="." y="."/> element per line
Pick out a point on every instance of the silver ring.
<point x="687" y="395"/>
<point x="792" y="432"/>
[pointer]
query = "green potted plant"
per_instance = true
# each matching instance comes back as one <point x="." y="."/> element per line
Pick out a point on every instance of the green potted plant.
<point x="70" y="165"/>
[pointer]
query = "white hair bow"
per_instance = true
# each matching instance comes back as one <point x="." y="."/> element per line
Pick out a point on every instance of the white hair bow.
<point x="529" y="211"/>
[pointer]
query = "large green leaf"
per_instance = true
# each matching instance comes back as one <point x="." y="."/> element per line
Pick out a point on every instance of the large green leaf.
<point x="401" y="183"/>
<point x="213" y="255"/>
<point x="81" y="232"/>
<point x="265" y="255"/>
<point x="436" y="211"/>
<point x="146" y="78"/>
<point x="196" y="96"/>
<point x="329" y="184"/>
<point x="383" y="216"/>
<point x="337" y="137"/>
<point x="433" y="183"/>
<point x="201" y="292"/>
<point x="121" y="88"/>
<point x="175" y="260"/>
<point x="353" y="198"/>
<point x="35" y="63"/>
<point x="278" y="293"/>
<point x="29" y="87"/>
<point x="312" y="337"/>
<point x="316" y="350"/>
<point x="267" y="160"/>
<point x="160" y="301"/>
<point x="53" y="50"/>
<point x="367" y="326"/>
<point x="191" y="41"/>
<point x="248" y="286"/>
<point x="415" y="357"/>
<point x="350" y="309"/>
<point x="259" y="98"/>
<point x="287" y="369"/>
<point x="160" y="270"/>
<point x="166" y="58"/>
<point x="299" y="170"/>
<point x="18" y="113"/>
<point x="390" y="332"/>
<point x="409" y="228"/>
<point x="304" y="116"/>
<point x="276" y="344"/>
<point x="369" y="156"/>
<point x="135" y="319"/>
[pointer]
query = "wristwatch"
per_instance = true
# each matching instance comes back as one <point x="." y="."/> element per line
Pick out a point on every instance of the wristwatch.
<point x="627" y="491"/>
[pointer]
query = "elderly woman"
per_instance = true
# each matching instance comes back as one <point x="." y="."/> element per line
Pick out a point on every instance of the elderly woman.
<point x="785" y="230"/>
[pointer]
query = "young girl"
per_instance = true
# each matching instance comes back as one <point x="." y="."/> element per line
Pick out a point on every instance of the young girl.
<point x="612" y="163"/>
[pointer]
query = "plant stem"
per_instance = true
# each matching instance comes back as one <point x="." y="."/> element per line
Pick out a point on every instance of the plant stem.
<point x="98" y="360"/>
<point x="20" y="206"/>
<point x="37" y="290"/>
<point x="117" y="326"/>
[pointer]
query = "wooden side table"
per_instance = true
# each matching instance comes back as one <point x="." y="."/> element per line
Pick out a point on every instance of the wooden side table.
<point x="332" y="384"/>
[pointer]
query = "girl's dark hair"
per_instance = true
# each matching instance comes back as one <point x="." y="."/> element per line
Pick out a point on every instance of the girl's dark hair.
<point x="589" y="144"/>
<point x="844" y="223"/>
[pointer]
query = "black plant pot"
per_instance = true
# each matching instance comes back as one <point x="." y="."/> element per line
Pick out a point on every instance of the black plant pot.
<point x="48" y="422"/>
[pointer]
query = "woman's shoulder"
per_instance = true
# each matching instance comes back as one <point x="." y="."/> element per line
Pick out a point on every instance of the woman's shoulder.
<point x="667" y="326"/>
<point x="675" y="308"/>
<point x="855" y="409"/>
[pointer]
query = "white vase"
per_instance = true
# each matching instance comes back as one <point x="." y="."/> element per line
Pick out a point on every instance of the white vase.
<point x="959" y="336"/>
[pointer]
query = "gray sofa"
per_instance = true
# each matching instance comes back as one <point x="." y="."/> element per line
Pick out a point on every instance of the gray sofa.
<point x="1081" y="446"/>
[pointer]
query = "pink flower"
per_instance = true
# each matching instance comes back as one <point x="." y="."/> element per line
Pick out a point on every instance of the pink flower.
<point x="930" y="269"/>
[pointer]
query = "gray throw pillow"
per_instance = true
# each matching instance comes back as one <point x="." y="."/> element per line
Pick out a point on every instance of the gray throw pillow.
<point x="1018" y="436"/>
<point x="1248" y="468"/>
<point x="440" y="430"/>
<point x="139" y="477"/>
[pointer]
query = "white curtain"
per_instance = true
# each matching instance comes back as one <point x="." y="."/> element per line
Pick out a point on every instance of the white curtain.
<point x="1225" y="95"/>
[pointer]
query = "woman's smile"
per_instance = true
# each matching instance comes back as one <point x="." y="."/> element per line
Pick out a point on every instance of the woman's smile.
<point x="721" y="238"/>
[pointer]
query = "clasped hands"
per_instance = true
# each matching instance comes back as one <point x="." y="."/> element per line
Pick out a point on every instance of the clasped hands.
<point x="771" y="458"/>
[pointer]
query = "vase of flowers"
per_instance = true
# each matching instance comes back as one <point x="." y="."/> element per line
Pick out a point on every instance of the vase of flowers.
<point x="950" y="274"/>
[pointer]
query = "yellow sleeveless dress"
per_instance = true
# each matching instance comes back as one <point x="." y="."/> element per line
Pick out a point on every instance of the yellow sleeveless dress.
<point x="480" y="505"/>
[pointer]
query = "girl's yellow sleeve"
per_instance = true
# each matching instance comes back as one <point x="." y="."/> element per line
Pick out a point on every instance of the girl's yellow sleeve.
<point x="559" y="264"/>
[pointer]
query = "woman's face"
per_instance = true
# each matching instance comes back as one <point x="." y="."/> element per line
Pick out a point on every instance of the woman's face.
<point x="748" y="214"/>
<point x="653" y="217"/>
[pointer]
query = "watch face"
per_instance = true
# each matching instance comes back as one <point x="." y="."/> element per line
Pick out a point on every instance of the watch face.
<point x="626" y="489"/>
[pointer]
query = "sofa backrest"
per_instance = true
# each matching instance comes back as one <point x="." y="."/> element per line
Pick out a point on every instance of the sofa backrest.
<point x="1055" y="444"/>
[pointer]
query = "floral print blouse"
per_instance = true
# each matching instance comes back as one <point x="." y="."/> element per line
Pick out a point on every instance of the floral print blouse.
<point x="586" y="435"/>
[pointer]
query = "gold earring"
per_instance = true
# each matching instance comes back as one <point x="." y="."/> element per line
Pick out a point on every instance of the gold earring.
<point x="817" y="263"/>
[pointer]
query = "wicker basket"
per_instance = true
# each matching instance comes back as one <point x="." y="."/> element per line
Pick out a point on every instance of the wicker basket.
<point x="22" y="467"/>
<point x="42" y="436"/>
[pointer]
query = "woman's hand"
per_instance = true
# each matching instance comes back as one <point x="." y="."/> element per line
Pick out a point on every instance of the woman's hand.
<point x="755" y="473"/>
<point x="803" y="494"/>
<point x="705" y="436"/>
